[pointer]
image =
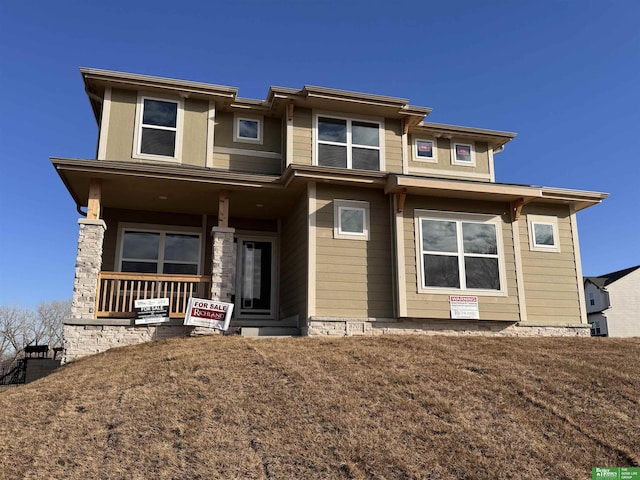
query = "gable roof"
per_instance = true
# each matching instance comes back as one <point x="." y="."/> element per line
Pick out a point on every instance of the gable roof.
<point x="608" y="278"/>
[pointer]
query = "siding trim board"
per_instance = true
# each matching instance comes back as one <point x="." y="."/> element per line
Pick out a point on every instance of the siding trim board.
<point x="104" y="124"/>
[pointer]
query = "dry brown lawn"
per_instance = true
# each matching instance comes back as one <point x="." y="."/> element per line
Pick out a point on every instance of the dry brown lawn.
<point x="308" y="408"/>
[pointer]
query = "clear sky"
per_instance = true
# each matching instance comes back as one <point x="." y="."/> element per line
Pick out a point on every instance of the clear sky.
<point x="563" y="74"/>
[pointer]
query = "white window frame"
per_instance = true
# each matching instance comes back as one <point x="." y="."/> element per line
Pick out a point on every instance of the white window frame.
<point x="162" y="230"/>
<point x="534" y="220"/>
<point x="237" y="118"/>
<point x="137" y="136"/>
<point x="349" y="144"/>
<point x="338" y="206"/>
<point x="459" y="217"/>
<point x="472" y="151"/>
<point x="434" y="149"/>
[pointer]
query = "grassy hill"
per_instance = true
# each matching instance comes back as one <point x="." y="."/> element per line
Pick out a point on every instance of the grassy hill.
<point x="308" y="408"/>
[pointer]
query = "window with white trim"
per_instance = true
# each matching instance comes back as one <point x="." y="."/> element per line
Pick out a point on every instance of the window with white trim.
<point x="156" y="251"/>
<point x="351" y="219"/>
<point x="543" y="233"/>
<point x="348" y="143"/>
<point x="158" y="128"/>
<point x="424" y="150"/>
<point x="463" y="154"/>
<point x="459" y="252"/>
<point x="592" y="299"/>
<point x="247" y="129"/>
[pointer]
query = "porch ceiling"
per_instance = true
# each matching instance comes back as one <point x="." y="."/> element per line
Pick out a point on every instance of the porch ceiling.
<point x="192" y="191"/>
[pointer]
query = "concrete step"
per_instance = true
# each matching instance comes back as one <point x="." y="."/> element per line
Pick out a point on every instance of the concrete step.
<point x="270" y="332"/>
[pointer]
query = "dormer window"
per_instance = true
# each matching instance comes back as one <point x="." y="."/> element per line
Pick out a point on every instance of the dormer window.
<point x="425" y="150"/>
<point x="158" y="128"/>
<point x="348" y="143"/>
<point x="463" y="154"/>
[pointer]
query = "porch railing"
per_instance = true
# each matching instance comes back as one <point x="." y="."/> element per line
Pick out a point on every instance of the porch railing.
<point x="118" y="291"/>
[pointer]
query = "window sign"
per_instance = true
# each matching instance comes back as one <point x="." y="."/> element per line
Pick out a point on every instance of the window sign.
<point x="208" y="314"/>
<point x="154" y="310"/>
<point x="463" y="153"/>
<point x="425" y="150"/>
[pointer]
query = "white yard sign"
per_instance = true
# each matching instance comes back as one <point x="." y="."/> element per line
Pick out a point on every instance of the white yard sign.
<point x="153" y="310"/>
<point x="464" y="307"/>
<point x="208" y="313"/>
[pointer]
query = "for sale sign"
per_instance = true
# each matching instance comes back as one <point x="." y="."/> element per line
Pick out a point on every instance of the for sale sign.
<point x="208" y="313"/>
<point x="153" y="310"/>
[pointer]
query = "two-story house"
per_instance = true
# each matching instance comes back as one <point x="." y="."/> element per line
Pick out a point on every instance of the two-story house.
<point x="315" y="211"/>
<point x="613" y="303"/>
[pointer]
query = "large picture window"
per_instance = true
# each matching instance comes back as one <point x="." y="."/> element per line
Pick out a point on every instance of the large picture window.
<point x="348" y="143"/>
<point x="459" y="252"/>
<point x="158" y="125"/>
<point x="151" y="251"/>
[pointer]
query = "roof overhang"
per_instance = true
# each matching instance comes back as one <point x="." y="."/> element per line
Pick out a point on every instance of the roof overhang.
<point x="474" y="190"/>
<point x="494" y="138"/>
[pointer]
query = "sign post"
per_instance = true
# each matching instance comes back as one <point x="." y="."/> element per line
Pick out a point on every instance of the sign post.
<point x="208" y="313"/>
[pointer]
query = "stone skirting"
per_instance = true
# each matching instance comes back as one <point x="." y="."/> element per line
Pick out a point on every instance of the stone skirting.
<point x="83" y="340"/>
<point x="352" y="326"/>
<point x="88" y="263"/>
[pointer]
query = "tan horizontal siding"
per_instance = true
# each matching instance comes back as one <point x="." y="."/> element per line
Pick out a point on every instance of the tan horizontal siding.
<point x="393" y="145"/>
<point x="122" y="120"/>
<point x="271" y="133"/>
<point x="550" y="279"/>
<point x="302" y="141"/>
<point x="194" y="144"/>
<point x="353" y="277"/>
<point x="247" y="164"/>
<point x="434" y="305"/>
<point x="293" y="262"/>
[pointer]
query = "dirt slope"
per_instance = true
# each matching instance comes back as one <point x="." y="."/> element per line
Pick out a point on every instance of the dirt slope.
<point x="393" y="408"/>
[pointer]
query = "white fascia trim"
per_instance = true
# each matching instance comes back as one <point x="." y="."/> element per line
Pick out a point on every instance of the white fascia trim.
<point x="211" y="123"/>
<point x="472" y="152"/>
<point x="492" y="173"/>
<point x="137" y="133"/>
<point x="289" y="133"/>
<point x="449" y="174"/>
<point x="405" y="149"/>
<point x="104" y="124"/>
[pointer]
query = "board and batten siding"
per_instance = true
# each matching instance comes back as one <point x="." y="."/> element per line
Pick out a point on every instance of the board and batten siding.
<point x="122" y="125"/>
<point x="293" y="262"/>
<point x="436" y="305"/>
<point x="302" y="136"/>
<point x="550" y="279"/>
<point x="353" y="277"/>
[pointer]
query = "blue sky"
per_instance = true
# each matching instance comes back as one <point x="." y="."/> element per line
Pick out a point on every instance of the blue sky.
<point x="562" y="74"/>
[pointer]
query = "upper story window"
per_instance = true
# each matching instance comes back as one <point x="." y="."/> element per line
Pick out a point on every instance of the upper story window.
<point x="159" y="122"/>
<point x="424" y="150"/>
<point x="543" y="233"/>
<point x="247" y="129"/>
<point x="348" y="143"/>
<point x="459" y="252"/>
<point x="158" y="251"/>
<point x="463" y="154"/>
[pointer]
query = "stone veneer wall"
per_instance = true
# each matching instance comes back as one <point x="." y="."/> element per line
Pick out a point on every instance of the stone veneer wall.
<point x="83" y="340"/>
<point x="88" y="264"/>
<point x="347" y="327"/>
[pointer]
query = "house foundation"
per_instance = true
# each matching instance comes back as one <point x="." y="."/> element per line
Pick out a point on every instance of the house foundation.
<point x="324" y="326"/>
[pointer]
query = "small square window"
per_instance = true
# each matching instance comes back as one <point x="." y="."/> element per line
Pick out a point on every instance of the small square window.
<point x="247" y="129"/>
<point x="543" y="233"/>
<point x="351" y="219"/>
<point x="424" y="150"/>
<point x="463" y="154"/>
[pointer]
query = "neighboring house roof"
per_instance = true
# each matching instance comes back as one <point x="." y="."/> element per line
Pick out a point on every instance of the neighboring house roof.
<point x="608" y="278"/>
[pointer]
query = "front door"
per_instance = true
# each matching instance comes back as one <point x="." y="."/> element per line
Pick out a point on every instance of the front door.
<point x="255" y="278"/>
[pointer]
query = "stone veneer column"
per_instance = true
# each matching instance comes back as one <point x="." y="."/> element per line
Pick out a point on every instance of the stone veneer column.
<point x="88" y="264"/>
<point x="223" y="264"/>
